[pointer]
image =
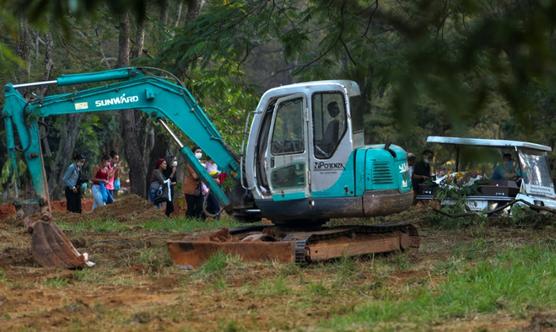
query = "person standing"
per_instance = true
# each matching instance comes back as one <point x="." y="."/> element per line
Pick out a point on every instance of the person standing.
<point x="212" y="207"/>
<point x="411" y="159"/>
<point x="113" y="173"/>
<point x="422" y="169"/>
<point x="72" y="186"/>
<point x="192" y="189"/>
<point x="159" y="188"/>
<point x="100" y="194"/>
<point x="170" y="174"/>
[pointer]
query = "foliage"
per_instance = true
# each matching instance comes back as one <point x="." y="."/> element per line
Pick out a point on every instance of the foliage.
<point x="425" y="67"/>
<point x="227" y="97"/>
<point x="477" y="68"/>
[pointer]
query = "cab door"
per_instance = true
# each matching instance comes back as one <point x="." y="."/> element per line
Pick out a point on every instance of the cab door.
<point x="286" y="155"/>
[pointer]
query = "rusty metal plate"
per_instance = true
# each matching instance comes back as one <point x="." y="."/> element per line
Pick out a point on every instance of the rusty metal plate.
<point x="195" y="253"/>
<point x="51" y="247"/>
<point x="361" y="245"/>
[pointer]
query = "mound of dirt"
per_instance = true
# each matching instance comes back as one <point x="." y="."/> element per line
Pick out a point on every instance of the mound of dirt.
<point x="128" y="208"/>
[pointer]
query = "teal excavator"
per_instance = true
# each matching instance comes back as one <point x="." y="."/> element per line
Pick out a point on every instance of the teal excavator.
<point x="303" y="162"/>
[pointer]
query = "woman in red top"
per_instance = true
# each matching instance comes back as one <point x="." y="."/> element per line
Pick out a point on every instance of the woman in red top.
<point x="100" y="180"/>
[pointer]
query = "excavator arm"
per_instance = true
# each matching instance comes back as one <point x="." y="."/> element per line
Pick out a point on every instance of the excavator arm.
<point x="157" y="97"/>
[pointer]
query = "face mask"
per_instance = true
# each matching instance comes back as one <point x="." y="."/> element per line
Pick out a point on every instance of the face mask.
<point x="198" y="155"/>
<point x="427" y="161"/>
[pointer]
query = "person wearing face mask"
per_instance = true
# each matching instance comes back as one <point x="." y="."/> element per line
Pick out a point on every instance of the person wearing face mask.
<point x="422" y="169"/>
<point x="506" y="170"/>
<point x="192" y="189"/>
<point x="71" y="181"/>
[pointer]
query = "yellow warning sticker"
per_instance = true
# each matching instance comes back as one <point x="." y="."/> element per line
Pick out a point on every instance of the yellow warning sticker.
<point x="81" y="106"/>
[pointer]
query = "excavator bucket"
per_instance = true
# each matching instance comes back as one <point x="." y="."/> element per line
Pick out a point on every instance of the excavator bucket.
<point x="51" y="247"/>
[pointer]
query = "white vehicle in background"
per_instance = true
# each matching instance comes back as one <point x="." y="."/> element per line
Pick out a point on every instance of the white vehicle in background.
<point x="532" y="185"/>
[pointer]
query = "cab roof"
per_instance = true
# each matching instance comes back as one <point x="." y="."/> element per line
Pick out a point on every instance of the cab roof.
<point x="485" y="142"/>
<point x="351" y="86"/>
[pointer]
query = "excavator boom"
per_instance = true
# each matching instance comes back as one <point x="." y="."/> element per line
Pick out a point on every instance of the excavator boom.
<point x="157" y="97"/>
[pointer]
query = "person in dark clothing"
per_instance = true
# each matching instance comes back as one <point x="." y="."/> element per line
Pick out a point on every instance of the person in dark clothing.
<point x="331" y="135"/>
<point x="159" y="188"/>
<point x="212" y="207"/>
<point x="72" y="184"/>
<point x="422" y="169"/>
<point x="192" y="189"/>
<point x="170" y="173"/>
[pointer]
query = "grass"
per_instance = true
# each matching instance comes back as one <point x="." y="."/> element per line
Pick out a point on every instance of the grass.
<point x="96" y="225"/>
<point x="276" y="286"/>
<point x="154" y="259"/>
<point x="216" y="270"/>
<point x="3" y="276"/>
<point x="177" y="225"/>
<point x="515" y="281"/>
<point x="187" y="225"/>
<point x="56" y="282"/>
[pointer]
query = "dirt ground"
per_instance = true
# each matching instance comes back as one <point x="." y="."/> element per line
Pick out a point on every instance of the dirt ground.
<point x="135" y="287"/>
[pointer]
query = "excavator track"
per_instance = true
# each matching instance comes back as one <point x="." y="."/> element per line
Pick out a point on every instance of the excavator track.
<point x="302" y="246"/>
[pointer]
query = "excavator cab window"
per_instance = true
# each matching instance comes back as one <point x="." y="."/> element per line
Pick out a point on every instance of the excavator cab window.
<point x="261" y="148"/>
<point x="288" y="158"/>
<point x="329" y="123"/>
<point x="287" y="137"/>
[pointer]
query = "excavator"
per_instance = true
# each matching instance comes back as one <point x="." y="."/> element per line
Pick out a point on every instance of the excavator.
<point x="303" y="161"/>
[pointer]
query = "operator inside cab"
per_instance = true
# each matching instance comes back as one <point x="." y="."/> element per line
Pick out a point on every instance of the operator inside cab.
<point x="327" y="145"/>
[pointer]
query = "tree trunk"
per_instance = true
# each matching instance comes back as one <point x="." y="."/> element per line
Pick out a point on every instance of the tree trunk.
<point x="68" y="135"/>
<point x="139" y="43"/>
<point x="163" y="14"/>
<point x="128" y="121"/>
<point x="193" y="9"/>
<point x="178" y="17"/>
<point x="68" y="139"/>
<point x="23" y="47"/>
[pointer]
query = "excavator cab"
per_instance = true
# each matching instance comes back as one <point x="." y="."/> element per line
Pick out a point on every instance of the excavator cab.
<point x="306" y="160"/>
